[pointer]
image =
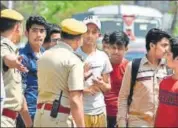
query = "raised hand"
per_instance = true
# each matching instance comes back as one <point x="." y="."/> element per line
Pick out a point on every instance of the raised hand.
<point x="13" y="61"/>
<point x="87" y="71"/>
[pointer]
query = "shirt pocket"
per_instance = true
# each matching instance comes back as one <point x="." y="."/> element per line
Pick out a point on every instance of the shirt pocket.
<point x="145" y="80"/>
<point x="143" y="85"/>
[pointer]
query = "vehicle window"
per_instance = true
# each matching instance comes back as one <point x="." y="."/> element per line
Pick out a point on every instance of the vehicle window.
<point x="141" y="29"/>
<point x="134" y="54"/>
<point x="110" y="26"/>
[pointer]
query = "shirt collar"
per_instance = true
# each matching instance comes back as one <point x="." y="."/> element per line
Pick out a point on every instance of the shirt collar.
<point x="28" y="49"/>
<point x="122" y="63"/>
<point x="146" y="61"/>
<point x="65" y="45"/>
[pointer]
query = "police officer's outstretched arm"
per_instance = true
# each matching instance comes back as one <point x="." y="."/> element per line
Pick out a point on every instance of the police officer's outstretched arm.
<point x="13" y="61"/>
<point x="11" y="31"/>
<point x="75" y="83"/>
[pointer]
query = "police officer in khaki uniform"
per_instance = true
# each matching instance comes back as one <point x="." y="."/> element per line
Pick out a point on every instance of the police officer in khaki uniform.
<point x="60" y="80"/>
<point x="11" y="31"/>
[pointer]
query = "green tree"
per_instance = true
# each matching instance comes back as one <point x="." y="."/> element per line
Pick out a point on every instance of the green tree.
<point x="174" y="12"/>
<point x="55" y="11"/>
<point x="176" y="30"/>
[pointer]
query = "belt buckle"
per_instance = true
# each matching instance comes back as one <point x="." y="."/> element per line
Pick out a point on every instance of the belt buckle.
<point x="42" y="108"/>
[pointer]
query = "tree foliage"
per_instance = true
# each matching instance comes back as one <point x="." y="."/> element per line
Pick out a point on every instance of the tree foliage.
<point x="55" y="11"/>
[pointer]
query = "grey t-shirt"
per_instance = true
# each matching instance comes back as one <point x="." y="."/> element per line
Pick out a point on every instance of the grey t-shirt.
<point x="100" y="64"/>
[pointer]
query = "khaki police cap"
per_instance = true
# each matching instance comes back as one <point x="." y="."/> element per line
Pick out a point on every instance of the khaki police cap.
<point x="73" y="27"/>
<point x="11" y="14"/>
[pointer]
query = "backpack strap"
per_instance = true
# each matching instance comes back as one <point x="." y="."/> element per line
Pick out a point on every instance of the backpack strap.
<point x="134" y="71"/>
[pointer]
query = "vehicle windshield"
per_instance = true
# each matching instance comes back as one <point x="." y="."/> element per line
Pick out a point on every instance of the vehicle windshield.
<point x="136" y="49"/>
<point x="111" y="25"/>
<point x="134" y="54"/>
<point x="141" y="29"/>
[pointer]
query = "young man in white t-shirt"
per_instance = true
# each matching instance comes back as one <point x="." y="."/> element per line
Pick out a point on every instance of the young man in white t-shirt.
<point x="97" y="79"/>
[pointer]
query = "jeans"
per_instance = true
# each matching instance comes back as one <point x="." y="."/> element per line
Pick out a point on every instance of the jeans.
<point x="111" y="121"/>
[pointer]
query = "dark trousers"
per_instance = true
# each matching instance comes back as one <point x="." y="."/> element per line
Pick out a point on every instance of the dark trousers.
<point x="20" y="123"/>
<point x="111" y="121"/>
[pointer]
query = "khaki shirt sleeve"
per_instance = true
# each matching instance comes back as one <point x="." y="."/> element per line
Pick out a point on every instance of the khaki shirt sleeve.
<point x="76" y="77"/>
<point x="123" y="97"/>
<point x="4" y="51"/>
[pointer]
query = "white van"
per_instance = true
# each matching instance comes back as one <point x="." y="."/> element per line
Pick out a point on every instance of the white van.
<point x="135" y="20"/>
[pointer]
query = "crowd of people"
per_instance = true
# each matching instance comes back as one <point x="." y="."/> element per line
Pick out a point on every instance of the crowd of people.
<point x="60" y="78"/>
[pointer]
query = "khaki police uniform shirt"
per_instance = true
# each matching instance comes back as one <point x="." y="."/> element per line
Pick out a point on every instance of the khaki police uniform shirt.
<point x="145" y="93"/>
<point x="11" y="78"/>
<point x="59" y="69"/>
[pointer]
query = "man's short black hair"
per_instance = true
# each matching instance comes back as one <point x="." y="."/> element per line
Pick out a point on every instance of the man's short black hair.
<point x="119" y="38"/>
<point x="7" y="24"/>
<point x="65" y="35"/>
<point x="106" y="38"/>
<point x="174" y="47"/>
<point x="54" y="29"/>
<point x="155" y="35"/>
<point x="51" y="28"/>
<point x="38" y="20"/>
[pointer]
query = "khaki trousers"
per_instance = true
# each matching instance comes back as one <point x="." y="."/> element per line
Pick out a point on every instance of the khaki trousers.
<point x="95" y="121"/>
<point x="136" y="121"/>
<point x="43" y="119"/>
<point x="7" y="122"/>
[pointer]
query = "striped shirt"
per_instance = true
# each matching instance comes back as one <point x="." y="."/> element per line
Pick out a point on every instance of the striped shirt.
<point x="145" y="93"/>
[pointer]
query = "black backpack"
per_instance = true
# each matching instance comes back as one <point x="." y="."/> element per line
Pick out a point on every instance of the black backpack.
<point x="134" y="71"/>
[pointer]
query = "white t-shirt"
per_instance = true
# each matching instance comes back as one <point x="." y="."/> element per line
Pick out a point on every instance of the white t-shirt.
<point x="2" y="93"/>
<point x="100" y="64"/>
